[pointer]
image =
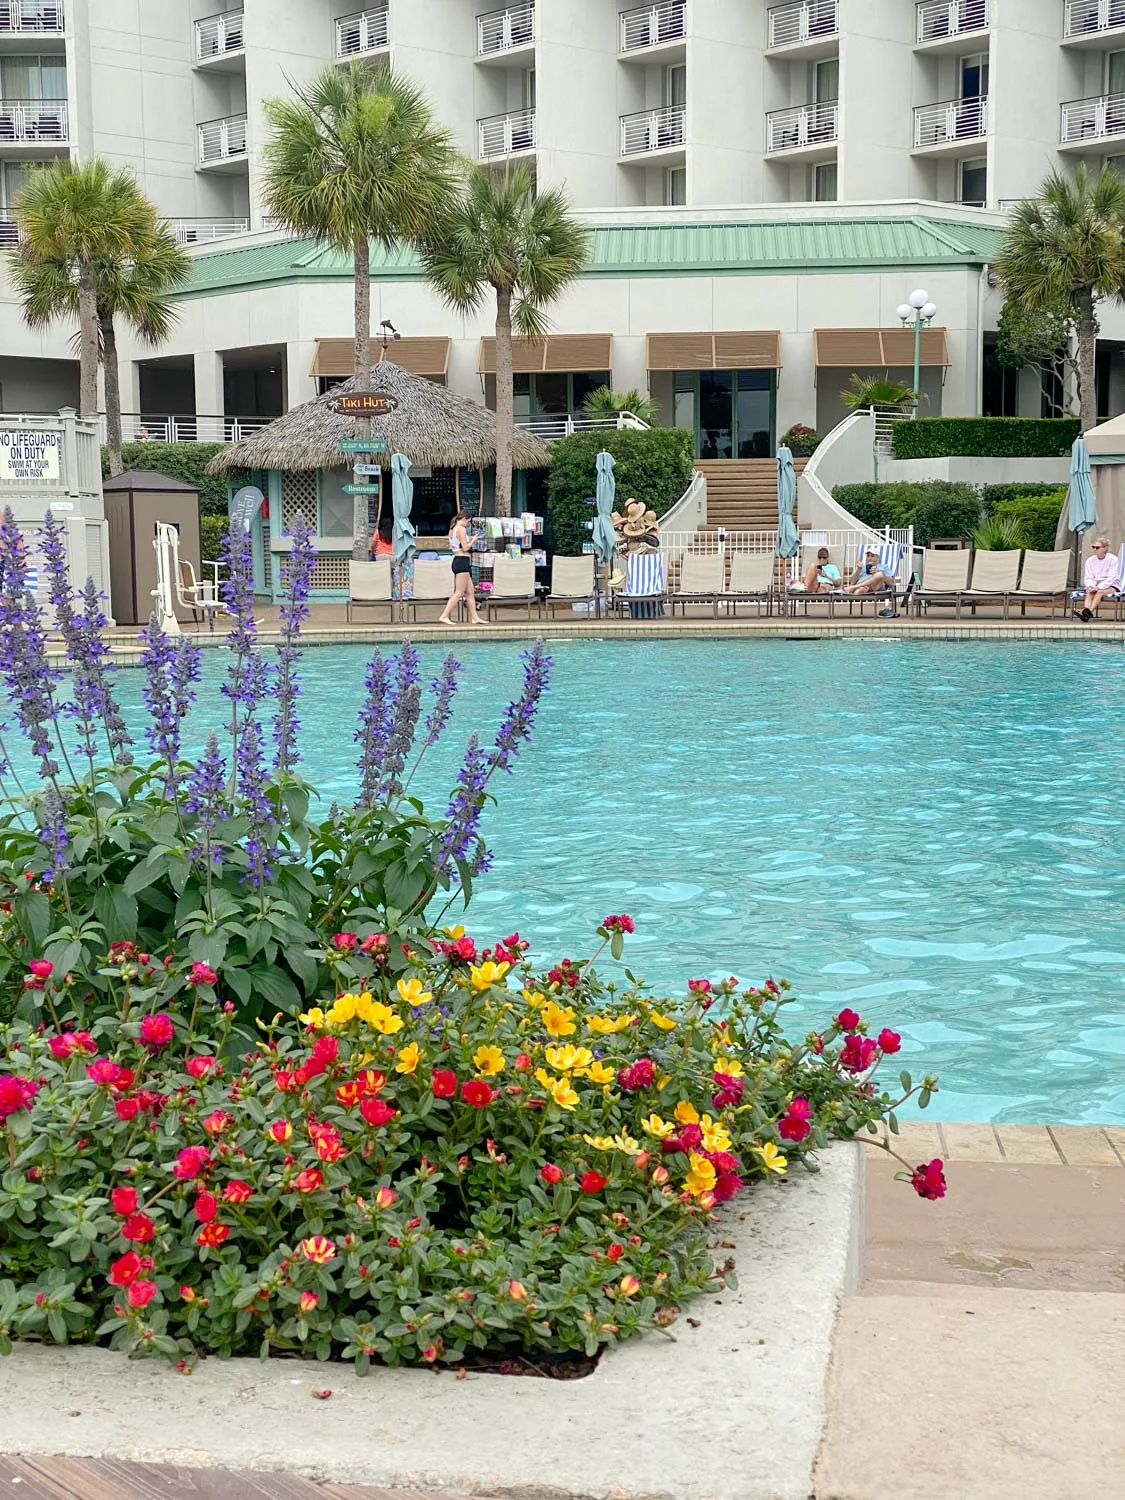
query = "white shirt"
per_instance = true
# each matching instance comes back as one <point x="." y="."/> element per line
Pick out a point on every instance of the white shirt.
<point x="1102" y="572"/>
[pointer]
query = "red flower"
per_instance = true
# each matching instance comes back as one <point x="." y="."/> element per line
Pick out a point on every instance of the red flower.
<point x="237" y="1191"/>
<point x="374" y="942"/>
<point x="349" y="1094"/>
<point x="794" y="1124"/>
<point x="889" y="1041"/>
<point x="726" y="1185"/>
<point x="728" y="1090"/>
<point x="154" y="1103"/>
<point x="202" y="974"/>
<point x="551" y="1174"/>
<point x="211" y="1236"/>
<point x="376" y="1112"/>
<point x="71" y="1041"/>
<point x="138" y="1228"/>
<point x="858" y="1053"/>
<point x="371" y="1080"/>
<point x="125" y="1268"/>
<point x="928" y="1180"/>
<point x="124" y="1200"/>
<point x="15" y="1093"/>
<point x="281" y="1130"/>
<point x="311" y="1180"/>
<point x="592" y="1182"/>
<point x="192" y="1161"/>
<point x="284" y="1080"/>
<point x="443" y="1083"/>
<point x="217" y="1122"/>
<point x="317" y="1249"/>
<point x="567" y="973"/>
<point x="477" y="1093"/>
<point x="109" y="1075"/>
<point x="140" y="1293"/>
<point x="620" y="923"/>
<point x="615" y="1252"/>
<point x="522" y="1062"/>
<point x="199" y="1067"/>
<point x="847" y="1020"/>
<point x="157" y="1031"/>
<point x="345" y="941"/>
<point x="699" y="986"/>
<point x="205" y="1208"/>
<point x="329" y="1146"/>
<point x="638" y="1075"/>
<point x="42" y="968"/>
<point x="127" y="1109"/>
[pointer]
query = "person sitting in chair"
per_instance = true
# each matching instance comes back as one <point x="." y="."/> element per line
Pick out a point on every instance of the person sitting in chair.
<point x="1101" y="577"/>
<point x="868" y="577"/>
<point x="822" y="576"/>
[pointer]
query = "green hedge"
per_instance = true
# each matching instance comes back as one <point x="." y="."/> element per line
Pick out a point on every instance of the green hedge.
<point x="212" y="529"/>
<point x="985" y="437"/>
<point x="934" y="507"/>
<point x="186" y="461"/>
<point x="653" y="466"/>
<point x="996" y="494"/>
<point x="1036" y="516"/>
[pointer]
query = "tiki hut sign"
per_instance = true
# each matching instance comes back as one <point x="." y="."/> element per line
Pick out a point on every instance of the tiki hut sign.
<point x="363" y="404"/>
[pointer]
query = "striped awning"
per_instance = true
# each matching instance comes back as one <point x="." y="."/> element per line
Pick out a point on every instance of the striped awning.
<point x="558" y="353"/>
<point x="751" y="349"/>
<point x="420" y="356"/>
<point x="871" y="348"/>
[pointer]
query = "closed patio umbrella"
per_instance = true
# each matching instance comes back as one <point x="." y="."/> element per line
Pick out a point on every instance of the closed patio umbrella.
<point x="402" y="497"/>
<point x="1081" y="506"/>
<point x="788" y="538"/>
<point x="605" y="538"/>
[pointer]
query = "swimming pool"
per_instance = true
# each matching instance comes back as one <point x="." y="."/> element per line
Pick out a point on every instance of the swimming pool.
<point x="932" y="832"/>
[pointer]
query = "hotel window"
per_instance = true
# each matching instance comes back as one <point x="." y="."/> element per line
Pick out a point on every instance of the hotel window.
<point x="824" y="182"/>
<point x="826" y="81"/>
<point x="974" y="182"/>
<point x="974" y="76"/>
<point x="675" y="187"/>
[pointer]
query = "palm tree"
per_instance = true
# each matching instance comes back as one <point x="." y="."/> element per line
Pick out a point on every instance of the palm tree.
<point x="525" y="248"/>
<point x="134" y="287"/>
<point x="606" y="402"/>
<point x="354" y="156"/>
<point x="1067" y="247"/>
<point x="879" y="391"/>
<point x="74" y="218"/>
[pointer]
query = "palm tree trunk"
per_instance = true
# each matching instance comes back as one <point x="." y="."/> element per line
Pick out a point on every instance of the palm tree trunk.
<point x="362" y="255"/>
<point x="88" y="343"/>
<point x="112" y="394"/>
<point x="1087" y="351"/>
<point x="505" y="401"/>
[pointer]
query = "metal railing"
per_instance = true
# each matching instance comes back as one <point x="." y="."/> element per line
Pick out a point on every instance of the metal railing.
<point x="845" y="547"/>
<point x="10" y="231"/>
<point x="42" y="17"/>
<point x="45" y="121"/>
<point x="802" y="125"/>
<point x="187" y="428"/>
<point x="215" y="36"/>
<point x="938" y="19"/>
<point x="649" y="25"/>
<point x="501" y="30"/>
<point x="366" y="31"/>
<point x="500" y="135"/>
<point x="1083" y="17"/>
<point x="550" y="428"/>
<point x="951" y="121"/>
<point x="221" y="139"/>
<point x="805" y="22"/>
<point x="197" y="231"/>
<point x="1092" y="119"/>
<point x="653" y="130"/>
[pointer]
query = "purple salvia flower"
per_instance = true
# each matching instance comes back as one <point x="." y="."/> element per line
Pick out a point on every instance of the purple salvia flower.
<point x="460" y="838"/>
<point x="294" y="611"/>
<point x="24" y="670"/>
<point x="255" y="807"/>
<point x="158" y="655"/>
<point x="52" y="831"/>
<point x="206" y="801"/>
<point x="407" y="707"/>
<point x="443" y="689"/>
<point x="98" y="675"/>
<point x="374" y="729"/>
<point x="247" y="677"/>
<point x="519" y="718"/>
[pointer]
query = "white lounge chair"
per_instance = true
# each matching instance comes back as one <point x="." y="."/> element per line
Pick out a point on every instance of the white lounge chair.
<point x="700" y="581"/>
<point x="995" y="575"/>
<point x="572" y="581"/>
<point x="1043" y="579"/>
<point x="945" y="577"/>
<point x="433" y="582"/>
<point x="890" y="556"/>
<point x="513" y="582"/>
<point x="370" y="583"/>
<point x="751" y="581"/>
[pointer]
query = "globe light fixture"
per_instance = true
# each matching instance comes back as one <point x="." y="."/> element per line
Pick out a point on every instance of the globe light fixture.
<point x="916" y="314"/>
<point x="919" y="299"/>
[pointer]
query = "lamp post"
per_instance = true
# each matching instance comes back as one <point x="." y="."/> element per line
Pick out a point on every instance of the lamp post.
<point x="919" y="312"/>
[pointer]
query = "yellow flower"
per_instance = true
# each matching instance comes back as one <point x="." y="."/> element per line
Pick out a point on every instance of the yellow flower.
<point x="488" y="1060"/>
<point x="661" y="1129"/>
<point x="599" y="1072"/>
<point x="599" y="1142"/>
<point x="382" y="1018"/>
<point x="558" y="1019"/>
<point x="716" y="1136"/>
<point x="728" y="1065"/>
<point x="701" y="1176"/>
<point x="558" y="1089"/>
<point x="536" y="999"/>
<point x="607" y="1025"/>
<point x="409" y="1058"/>
<point x="622" y="1142"/>
<point x="412" y="991"/>
<point x="453" y="933"/>
<point x="343" y="1011"/>
<point x="772" y="1159"/>
<point x="664" y="1022"/>
<point x="568" y="1058"/>
<point x="686" y="1113"/>
<point x="628" y="1285"/>
<point x="313" y="1018"/>
<point x="484" y="976"/>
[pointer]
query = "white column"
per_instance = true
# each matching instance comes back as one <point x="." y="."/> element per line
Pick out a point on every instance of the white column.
<point x="208" y="383"/>
<point x="300" y="386"/>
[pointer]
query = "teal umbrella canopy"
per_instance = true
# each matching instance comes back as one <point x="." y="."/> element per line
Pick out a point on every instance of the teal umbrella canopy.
<point x="788" y="538"/>
<point x="1082" y="509"/>
<point x="402" y="497"/>
<point x="605" y="538"/>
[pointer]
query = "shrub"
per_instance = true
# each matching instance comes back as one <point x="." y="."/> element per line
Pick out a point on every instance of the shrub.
<point x="802" y="441"/>
<point x="997" y="534"/>
<point x="606" y="402"/>
<point x="654" y="467"/>
<point x="994" y="494"/>
<point x="985" y="437"/>
<point x="1035" y="517"/>
<point x="212" y="530"/>
<point x="935" y="508"/>
<point x="186" y="461"/>
<point x="879" y="391"/>
<point x="473" y="1157"/>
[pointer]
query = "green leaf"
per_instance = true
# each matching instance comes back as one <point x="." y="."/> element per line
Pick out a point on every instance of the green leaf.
<point x="277" y="988"/>
<point x="64" y="955"/>
<point x="617" y="945"/>
<point x="208" y="948"/>
<point x="904" y="1079"/>
<point x="116" y="910"/>
<point x="147" y="873"/>
<point x="56" y="1324"/>
<point x="32" y="912"/>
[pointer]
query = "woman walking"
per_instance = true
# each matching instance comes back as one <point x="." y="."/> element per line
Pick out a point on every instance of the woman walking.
<point x="460" y="546"/>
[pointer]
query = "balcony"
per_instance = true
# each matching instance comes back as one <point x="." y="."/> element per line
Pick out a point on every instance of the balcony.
<point x="363" y="34"/>
<point x="32" y="18"/>
<point x="648" y="26"/>
<point x="505" y="135"/>
<point x="33" y="123"/>
<point x="188" y="427"/>
<point x="806" y="132"/>
<point x="948" y="128"/>
<point x="504" y="32"/>
<point x="10" y="232"/>
<point x="943" y="24"/>
<point x="809" y="29"/>
<point x="1093" y="23"/>
<point x="1085" y="122"/>
<point x="659" y="133"/>
<point x="219" y="39"/>
<point x="222" y="141"/>
<point x="200" y="231"/>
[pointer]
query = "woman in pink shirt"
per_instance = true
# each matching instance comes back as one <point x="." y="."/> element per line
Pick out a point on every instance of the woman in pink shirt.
<point x="1101" y="578"/>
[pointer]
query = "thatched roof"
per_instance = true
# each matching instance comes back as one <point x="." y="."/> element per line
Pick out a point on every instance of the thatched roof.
<point x="433" y="426"/>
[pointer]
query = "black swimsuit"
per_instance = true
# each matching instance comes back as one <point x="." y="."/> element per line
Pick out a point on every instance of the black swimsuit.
<point x="461" y="562"/>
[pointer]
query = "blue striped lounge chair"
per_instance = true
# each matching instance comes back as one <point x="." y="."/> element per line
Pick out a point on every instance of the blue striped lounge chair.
<point x="645" y="589"/>
<point x="890" y="563"/>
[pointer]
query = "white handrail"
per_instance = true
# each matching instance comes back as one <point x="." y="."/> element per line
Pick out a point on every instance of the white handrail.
<point x="802" y="125"/>
<point x="653" y="130"/>
<point x="649" y="25"/>
<point x="806" y="21"/>
<point x="366" y="31"/>
<point x="951" y="120"/>
<point x="502" y="30"/>
<point x="1093" y="119"/>
<point x="690" y="510"/>
<point x="1085" y="17"/>
<point x="41" y="17"/>
<point x="938" y="19"/>
<point x="501" y="135"/>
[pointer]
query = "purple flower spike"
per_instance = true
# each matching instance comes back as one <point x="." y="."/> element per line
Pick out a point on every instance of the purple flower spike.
<point x="247" y="677"/>
<point x="443" y="688"/>
<point x="408" y="705"/>
<point x="374" y="728"/>
<point x="294" y="611"/>
<point x="206" y="801"/>
<point x="460" y="839"/>
<point x="27" y="678"/>
<point x="256" y="808"/>
<point x="519" y="719"/>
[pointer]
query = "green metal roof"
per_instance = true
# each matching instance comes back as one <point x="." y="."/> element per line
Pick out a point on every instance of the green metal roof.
<point x="754" y="248"/>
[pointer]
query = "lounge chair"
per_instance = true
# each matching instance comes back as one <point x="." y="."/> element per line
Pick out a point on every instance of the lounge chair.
<point x="751" y="581"/>
<point x="1116" y="598"/>
<point x="945" y="577"/>
<point x="795" y="590"/>
<point x="433" y="582"/>
<point x="890" y="562"/>
<point x="370" y="583"/>
<point x="645" y="590"/>
<point x="700" y="581"/>
<point x="572" y="581"/>
<point x="513" y="582"/>
<point x="1043" y="579"/>
<point x="995" y="575"/>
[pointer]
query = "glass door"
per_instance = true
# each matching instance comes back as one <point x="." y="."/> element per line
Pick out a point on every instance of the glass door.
<point x="754" y="413"/>
<point x="731" y="413"/>
<point x="716" y="414"/>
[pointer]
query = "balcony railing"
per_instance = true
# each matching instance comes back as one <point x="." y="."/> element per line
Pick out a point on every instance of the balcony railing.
<point x="40" y="17"/>
<point x="42" y="121"/>
<point x="501" y="30"/>
<point x="367" y="31"/>
<point x="649" y="25"/>
<point x="653" y="130"/>
<point x="1087" y="17"/>
<point x="10" y="231"/>
<point x="139" y="426"/>
<point x="500" y="135"/>
<point x="949" y="122"/>
<point x="221" y="139"/>
<point x="1093" y="119"/>
<point x="199" y="231"/>
<point x="938" y="19"/>
<point x="215" y="36"/>
<point x="805" y="22"/>
<point x="803" y="125"/>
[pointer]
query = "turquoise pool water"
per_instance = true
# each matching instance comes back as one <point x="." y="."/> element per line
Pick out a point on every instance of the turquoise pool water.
<point x="931" y="832"/>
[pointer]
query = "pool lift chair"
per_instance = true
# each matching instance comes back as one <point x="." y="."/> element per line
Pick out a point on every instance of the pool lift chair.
<point x="176" y="583"/>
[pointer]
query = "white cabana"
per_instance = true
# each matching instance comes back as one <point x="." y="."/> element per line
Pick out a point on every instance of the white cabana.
<point x="1107" y="467"/>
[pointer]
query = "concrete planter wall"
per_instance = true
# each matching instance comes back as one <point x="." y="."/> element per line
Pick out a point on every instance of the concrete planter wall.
<point x="975" y="470"/>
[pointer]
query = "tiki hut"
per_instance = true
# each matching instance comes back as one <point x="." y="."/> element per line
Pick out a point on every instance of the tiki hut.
<point x="298" y="464"/>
